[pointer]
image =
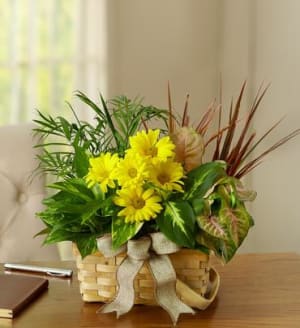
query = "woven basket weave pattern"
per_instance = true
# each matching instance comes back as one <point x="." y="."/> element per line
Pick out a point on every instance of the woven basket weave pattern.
<point x="97" y="276"/>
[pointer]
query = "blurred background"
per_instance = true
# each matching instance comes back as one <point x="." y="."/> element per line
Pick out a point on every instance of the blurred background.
<point x="49" y="49"/>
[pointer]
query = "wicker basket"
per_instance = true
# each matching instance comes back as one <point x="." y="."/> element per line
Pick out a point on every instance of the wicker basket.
<point x="97" y="275"/>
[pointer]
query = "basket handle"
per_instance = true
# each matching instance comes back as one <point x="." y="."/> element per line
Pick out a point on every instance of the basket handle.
<point x="196" y="300"/>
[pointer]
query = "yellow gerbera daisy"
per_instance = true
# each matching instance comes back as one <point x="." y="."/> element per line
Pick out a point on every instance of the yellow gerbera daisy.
<point x="132" y="170"/>
<point x="102" y="171"/>
<point x="148" y="145"/>
<point x="167" y="175"/>
<point x="139" y="205"/>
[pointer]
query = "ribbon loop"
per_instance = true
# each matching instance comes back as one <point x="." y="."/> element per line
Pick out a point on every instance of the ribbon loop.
<point x="104" y="245"/>
<point x="139" y="249"/>
<point x="162" y="245"/>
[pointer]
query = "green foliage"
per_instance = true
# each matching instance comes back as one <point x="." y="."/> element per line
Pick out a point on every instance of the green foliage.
<point x="66" y="155"/>
<point x="223" y="220"/>
<point x="178" y="223"/>
<point x="75" y="212"/>
<point x="209" y="214"/>
<point x="201" y="179"/>
<point x="122" y="232"/>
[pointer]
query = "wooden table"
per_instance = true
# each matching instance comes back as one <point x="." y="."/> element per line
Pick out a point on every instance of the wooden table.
<point x="257" y="290"/>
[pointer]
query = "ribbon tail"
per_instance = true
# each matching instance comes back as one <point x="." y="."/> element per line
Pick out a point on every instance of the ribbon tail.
<point x="165" y="278"/>
<point x="124" y="300"/>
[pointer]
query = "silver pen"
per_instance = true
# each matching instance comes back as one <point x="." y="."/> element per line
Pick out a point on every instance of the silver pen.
<point x="57" y="272"/>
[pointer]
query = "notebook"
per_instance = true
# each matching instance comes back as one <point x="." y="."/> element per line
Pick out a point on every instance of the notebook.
<point x="17" y="291"/>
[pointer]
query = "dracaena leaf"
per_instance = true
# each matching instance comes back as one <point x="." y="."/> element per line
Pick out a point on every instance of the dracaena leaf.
<point x="86" y="246"/>
<point x="178" y="223"/>
<point x="203" y="178"/>
<point x="122" y="231"/>
<point x="201" y="206"/>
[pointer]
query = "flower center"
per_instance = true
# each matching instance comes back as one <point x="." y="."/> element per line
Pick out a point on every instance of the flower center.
<point x="132" y="172"/>
<point x="163" y="178"/>
<point x="138" y="203"/>
<point x="152" y="151"/>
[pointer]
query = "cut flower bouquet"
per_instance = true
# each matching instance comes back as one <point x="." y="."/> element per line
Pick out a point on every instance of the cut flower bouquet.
<point x="124" y="179"/>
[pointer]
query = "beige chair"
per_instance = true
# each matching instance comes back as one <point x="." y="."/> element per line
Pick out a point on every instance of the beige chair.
<point x="20" y="198"/>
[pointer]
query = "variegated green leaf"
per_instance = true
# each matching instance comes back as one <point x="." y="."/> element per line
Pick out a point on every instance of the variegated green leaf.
<point x="212" y="225"/>
<point x="227" y="250"/>
<point x="202" y="179"/>
<point x="178" y="223"/>
<point x="227" y="193"/>
<point x="201" y="206"/>
<point x="238" y="222"/>
<point x="122" y="231"/>
<point x="223" y="249"/>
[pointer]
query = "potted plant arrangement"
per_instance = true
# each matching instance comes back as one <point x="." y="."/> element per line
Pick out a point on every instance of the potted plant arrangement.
<point x="142" y="206"/>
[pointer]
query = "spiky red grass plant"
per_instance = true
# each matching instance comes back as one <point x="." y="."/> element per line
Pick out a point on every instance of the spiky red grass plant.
<point x="232" y="146"/>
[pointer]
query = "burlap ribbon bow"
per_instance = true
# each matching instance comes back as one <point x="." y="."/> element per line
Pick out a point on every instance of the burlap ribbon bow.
<point x="153" y="248"/>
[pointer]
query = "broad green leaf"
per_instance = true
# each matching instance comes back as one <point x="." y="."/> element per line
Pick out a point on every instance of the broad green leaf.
<point x="81" y="162"/>
<point x="203" y="178"/>
<point x="86" y="242"/>
<point x="90" y="210"/>
<point x="56" y="235"/>
<point x="97" y="191"/>
<point x="178" y="223"/>
<point x="202" y="248"/>
<point x="201" y="206"/>
<point x="76" y="187"/>
<point x="50" y="217"/>
<point x="86" y="246"/>
<point x="108" y="207"/>
<point x="65" y="207"/>
<point x="122" y="231"/>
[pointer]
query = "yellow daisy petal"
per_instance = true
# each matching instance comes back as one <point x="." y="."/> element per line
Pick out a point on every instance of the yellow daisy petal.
<point x="132" y="170"/>
<point x="102" y="171"/>
<point x="147" y="145"/>
<point x="167" y="175"/>
<point x="139" y="205"/>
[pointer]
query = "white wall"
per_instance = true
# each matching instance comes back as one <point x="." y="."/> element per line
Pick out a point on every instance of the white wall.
<point x="258" y="42"/>
<point x="276" y="54"/>
<point x="190" y="43"/>
<point x="160" y="41"/>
